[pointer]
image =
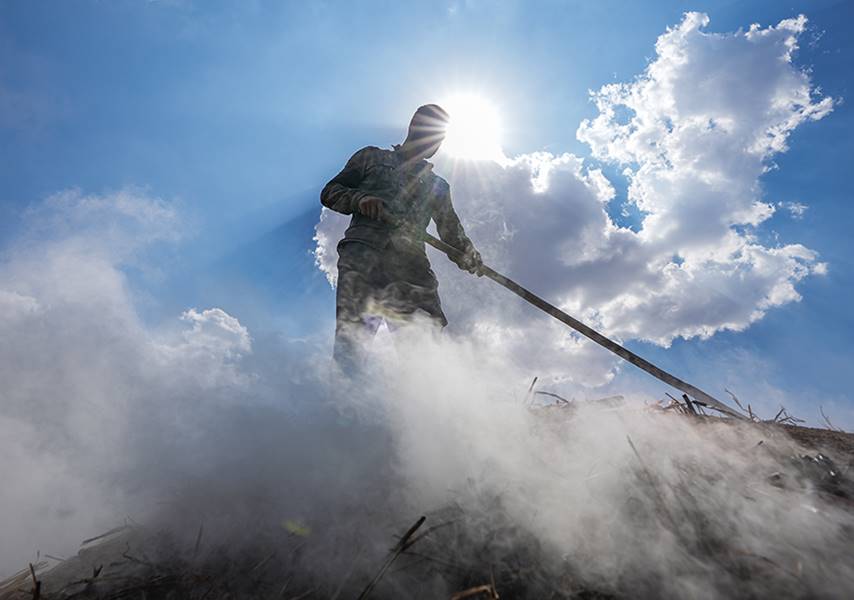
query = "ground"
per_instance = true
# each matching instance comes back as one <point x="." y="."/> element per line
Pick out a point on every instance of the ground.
<point x="453" y="553"/>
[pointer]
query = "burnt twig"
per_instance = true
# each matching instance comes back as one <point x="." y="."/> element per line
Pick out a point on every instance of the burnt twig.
<point x="559" y="398"/>
<point x="688" y="403"/>
<point x="427" y="532"/>
<point x="830" y="425"/>
<point x="674" y="404"/>
<point x="198" y="539"/>
<point x="37" y="585"/>
<point x="741" y="406"/>
<point x="263" y="562"/>
<point x="784" y="418"/>
<point x="530" y="393"/>
<point x="105" y="534"/>
<point x="395" y="552"/>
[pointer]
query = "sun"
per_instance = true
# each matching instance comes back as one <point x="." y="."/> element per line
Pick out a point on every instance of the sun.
<point x="474" y="129"/>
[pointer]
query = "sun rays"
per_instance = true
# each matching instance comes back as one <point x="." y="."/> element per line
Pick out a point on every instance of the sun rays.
<point x="474" y="129"/>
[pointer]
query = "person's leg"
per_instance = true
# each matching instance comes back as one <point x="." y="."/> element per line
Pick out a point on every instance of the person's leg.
<point x="354" y="328"/>
<point x="412" y="287"/>
<point x="410" y="332"/>
<point x="412" y="300"/>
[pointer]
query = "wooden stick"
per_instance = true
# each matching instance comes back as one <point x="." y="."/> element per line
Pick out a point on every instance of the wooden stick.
<point x="587" y="331"/>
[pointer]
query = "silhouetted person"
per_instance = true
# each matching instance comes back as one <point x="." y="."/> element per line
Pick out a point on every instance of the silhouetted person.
<point x="383" y="271"/>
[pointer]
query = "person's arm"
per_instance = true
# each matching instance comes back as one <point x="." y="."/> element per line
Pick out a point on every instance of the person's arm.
<point x="451" y="231"/>
<point x="342" y="193"/>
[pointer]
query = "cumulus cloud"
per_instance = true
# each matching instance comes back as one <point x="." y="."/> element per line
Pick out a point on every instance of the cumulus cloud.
<point x="210" y="351"/>
<point x="693" y="134"/>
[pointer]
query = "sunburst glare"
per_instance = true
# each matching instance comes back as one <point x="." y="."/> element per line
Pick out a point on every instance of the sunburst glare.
<point x="474" y="129"/>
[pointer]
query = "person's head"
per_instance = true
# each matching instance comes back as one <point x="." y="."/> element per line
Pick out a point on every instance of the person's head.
<point x="426" y="131"/>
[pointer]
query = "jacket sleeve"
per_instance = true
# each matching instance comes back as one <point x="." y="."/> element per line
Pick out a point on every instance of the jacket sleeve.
<point x="342" y="193"/>
<point x="448" y="223"/>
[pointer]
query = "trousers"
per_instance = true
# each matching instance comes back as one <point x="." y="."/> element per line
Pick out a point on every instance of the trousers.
<point x="393" y="284"/>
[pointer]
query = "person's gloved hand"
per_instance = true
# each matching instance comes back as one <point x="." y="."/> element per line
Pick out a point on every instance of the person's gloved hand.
<point x="471" y="262"/>
<point x="372" y="207"/>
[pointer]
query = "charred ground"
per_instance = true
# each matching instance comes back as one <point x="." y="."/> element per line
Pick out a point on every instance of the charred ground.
<point x="474" y="548"/>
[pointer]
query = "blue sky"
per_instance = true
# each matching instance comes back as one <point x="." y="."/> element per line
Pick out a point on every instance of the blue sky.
<point x="239" y="112"/>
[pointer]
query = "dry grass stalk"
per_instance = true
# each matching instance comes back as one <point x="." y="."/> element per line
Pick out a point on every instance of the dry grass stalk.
<point x="105" y="534"/>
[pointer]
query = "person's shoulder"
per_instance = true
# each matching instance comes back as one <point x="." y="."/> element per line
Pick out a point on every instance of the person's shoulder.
<point x="364" y="155"/>
<point x="371" y="152"/>
<point x="440" y="184"/>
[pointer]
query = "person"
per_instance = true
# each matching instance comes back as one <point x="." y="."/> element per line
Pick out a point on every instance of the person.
<point x="383" y="270"/>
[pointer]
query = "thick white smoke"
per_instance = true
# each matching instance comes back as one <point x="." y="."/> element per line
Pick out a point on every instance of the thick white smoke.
<point x="79" y="366"/>
<point x="197" y="423"/>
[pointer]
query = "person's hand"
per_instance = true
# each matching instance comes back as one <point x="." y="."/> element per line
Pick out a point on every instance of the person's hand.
<point x="471" y="262"/>
<point x="372" y="207"/>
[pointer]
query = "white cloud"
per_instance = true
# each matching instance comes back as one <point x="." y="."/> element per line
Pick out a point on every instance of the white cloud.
<point x="329" y="230"/>
<point x="704" y="121"/>
<point x="217" y="332"/>
<point x="208" y="352"/>
<point x="694" y="133"/>
<point x="123" y="221"/>
<point x="796" y="209"/>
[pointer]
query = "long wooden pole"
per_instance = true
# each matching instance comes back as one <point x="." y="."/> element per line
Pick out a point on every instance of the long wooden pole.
<point x="589" y="332"/>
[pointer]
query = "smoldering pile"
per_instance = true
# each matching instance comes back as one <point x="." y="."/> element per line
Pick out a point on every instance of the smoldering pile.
<point x="669" y="531"/>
